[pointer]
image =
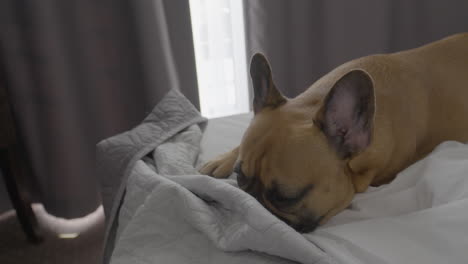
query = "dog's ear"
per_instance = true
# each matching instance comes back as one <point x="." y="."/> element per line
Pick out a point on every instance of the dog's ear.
<point x="265" y="92"/>
<point x="347" y="113"/>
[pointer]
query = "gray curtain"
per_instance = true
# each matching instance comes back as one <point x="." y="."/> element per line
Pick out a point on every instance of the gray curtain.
<point x="305" y="39"/>
<point x="80" y="71"/>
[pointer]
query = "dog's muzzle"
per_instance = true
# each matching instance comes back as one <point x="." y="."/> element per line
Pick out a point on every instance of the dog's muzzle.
<point x="253" y="187"/>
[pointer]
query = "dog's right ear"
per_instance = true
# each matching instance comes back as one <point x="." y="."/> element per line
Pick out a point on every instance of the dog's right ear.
<point x="347" y="114"/>
<point x="265" y="92"/>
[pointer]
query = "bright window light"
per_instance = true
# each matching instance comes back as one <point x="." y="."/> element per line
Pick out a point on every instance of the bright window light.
<point x="219" y="41"/>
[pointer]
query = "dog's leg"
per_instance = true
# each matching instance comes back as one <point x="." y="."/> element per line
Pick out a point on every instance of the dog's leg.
<point x="222" y="166"/>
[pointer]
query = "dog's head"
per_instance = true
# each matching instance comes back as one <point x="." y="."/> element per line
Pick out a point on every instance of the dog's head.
<point x="294" y="156"/>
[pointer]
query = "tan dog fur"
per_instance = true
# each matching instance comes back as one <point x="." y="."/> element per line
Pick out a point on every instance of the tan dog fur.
<point x="420" y="97"/>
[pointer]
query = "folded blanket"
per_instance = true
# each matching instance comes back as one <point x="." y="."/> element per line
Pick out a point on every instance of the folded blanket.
<point x="161" y="210"/>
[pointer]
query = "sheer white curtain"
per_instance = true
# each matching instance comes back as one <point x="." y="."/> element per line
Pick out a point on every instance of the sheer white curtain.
<point x="219" y="41"/>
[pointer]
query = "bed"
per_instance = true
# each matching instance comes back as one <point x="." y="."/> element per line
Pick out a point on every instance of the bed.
<point x="159" y="209"/>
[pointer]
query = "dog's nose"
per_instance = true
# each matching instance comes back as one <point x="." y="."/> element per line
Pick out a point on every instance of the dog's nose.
<point x="241" y="180"/>
<point x="307" y="224"/>
<point x="305" y="227"/>
<point x="250" y="185"/>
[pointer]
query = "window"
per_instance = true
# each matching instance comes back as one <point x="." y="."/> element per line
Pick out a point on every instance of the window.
<point x="219" y="41"/>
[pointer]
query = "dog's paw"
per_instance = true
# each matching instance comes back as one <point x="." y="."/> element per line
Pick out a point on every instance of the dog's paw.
<point x="221" y="167"/>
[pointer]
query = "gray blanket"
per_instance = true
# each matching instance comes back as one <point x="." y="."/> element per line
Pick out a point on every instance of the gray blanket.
<point x="159" y="209"/>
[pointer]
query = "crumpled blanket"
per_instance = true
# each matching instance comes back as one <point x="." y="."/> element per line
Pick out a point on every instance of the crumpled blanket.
<point x="161" y="210"/>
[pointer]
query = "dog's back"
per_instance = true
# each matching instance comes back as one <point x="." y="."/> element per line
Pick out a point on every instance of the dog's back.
<point x="421" y="101"/>
<point x="444" y="65"/>
<point x="427" y="99"/>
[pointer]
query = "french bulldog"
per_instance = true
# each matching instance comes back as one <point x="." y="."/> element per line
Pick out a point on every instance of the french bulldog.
<point x="305" y="158"/>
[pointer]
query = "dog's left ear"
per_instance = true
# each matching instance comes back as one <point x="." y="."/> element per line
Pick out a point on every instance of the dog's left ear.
<point x="347" y="113"/>
<point x="265" y="92"/>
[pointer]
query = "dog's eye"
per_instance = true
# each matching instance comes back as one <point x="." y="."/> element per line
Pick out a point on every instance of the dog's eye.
<point x="278" y="199"/>
<point x="275" y="197"/>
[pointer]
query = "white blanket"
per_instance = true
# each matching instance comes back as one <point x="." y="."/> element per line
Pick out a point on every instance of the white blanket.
<point x="171" y="214"/>
<point x="421" y="217"/>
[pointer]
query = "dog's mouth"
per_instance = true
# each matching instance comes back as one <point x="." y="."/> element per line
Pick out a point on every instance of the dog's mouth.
<point x="301" y="223"/>
<point x="305" y="225"/>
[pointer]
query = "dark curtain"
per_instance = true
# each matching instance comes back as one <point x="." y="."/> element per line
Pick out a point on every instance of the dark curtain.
<point x="80" y="71"/>
<point x="305" y="39"/>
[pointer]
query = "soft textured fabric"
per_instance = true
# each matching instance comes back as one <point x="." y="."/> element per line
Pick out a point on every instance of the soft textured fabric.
<point x="165" y="212"/>
<point x="116" y="156"/>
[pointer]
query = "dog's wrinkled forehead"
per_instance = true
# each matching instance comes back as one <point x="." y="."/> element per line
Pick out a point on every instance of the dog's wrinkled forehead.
<point x="267" y="130"/>
<point x="272" y="138"/>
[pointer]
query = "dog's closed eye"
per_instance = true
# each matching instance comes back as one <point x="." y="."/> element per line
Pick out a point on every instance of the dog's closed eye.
<point x="277" y="198"/>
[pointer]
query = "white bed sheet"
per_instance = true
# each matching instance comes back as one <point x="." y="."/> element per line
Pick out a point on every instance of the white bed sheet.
<point x="223" y="134"/>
